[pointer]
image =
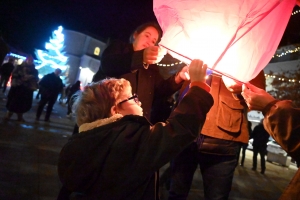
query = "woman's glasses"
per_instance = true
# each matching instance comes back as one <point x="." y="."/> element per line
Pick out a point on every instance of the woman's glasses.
<point x="134" y="97"/>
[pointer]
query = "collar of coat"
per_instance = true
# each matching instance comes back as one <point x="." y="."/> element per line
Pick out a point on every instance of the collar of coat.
<point x="99" y="122"/>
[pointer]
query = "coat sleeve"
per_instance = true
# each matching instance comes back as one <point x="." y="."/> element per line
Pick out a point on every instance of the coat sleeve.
<point x="164" y="87"/>
<point x="282" y="121"/>
<point x="164" y="141"/>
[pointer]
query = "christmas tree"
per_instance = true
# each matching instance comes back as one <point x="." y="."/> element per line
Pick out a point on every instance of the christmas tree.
<point x="53" y="57"/>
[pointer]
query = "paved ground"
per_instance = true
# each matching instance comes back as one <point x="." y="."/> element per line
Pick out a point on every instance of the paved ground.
<point x="29" y="153"/>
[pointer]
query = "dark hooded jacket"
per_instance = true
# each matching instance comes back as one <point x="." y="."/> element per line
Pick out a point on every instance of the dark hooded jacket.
<point x="119" y="60"/>
<point x="116" y="158"/>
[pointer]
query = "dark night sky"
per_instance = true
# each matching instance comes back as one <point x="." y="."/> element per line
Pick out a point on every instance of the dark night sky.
<point x="28" y="24"/>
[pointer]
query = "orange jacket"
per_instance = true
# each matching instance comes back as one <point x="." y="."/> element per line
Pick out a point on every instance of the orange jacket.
<point x="227" y="119"/>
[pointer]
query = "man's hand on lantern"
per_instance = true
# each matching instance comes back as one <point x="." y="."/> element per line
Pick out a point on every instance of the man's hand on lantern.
<point x="232" y="85"/>
<point x="256" y="98"/>
<point x="153" y="54"/>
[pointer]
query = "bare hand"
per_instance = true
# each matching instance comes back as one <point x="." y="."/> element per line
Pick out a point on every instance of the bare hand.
<point x="197" y="70"/>
<point x="153" y="54"/>
<point x="256" y="98"/>
<point x="182" y="75"/>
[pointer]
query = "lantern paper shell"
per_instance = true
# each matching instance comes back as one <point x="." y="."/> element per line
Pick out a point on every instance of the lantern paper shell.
<point x="234" y="37"/>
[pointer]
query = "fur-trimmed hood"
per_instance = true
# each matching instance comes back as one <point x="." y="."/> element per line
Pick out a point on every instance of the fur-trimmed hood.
<point x="99" y="122"/>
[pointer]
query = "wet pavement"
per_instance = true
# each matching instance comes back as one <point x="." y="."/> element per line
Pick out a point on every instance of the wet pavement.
<point x="29" y="153"/>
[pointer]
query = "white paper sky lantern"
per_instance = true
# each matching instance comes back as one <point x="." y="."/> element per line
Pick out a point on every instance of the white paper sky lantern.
<point x="234" y="37"/>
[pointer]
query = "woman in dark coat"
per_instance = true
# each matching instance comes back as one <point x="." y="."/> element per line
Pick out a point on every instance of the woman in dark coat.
<point x="136" y="62"/>
<point x="24" y="82"/>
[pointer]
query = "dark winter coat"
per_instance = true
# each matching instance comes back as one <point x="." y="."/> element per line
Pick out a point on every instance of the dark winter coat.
<point x="120" y="61"/>
<point x="4" y="50"/>
<point x="260" y="136"/>
<point x="6" y="69"/>
<point x="20" y="95"/>
<point x="50" y="85"/>
<point x="117" y="159"/>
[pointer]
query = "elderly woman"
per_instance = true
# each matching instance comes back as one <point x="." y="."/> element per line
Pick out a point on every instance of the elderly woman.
<point x="24" y="82"/>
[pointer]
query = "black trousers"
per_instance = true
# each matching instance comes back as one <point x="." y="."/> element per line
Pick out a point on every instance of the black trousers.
<point x="50" y="99"/>
<point x="262" y="152"/>
<point x="3" y="82"/>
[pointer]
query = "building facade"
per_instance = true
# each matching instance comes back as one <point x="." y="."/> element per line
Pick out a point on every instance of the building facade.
<point x="84" y="56"/>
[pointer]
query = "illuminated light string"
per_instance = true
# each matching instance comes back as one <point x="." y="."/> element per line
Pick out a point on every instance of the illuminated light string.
<point x="291" y="80"/>
<point x="296" y="49"/>
<point x="295" y="12"/>
<point x="21" y="57"/>
<point x="169" y="65"/>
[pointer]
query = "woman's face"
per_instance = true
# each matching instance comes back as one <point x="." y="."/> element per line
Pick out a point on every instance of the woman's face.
<point x="146" y="38"/>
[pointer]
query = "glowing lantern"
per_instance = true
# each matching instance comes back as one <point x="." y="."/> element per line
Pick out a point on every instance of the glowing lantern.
<point x="236" y="38"/>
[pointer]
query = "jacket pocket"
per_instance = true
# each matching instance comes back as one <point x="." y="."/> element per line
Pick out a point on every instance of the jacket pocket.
<point x="230" y="114"/>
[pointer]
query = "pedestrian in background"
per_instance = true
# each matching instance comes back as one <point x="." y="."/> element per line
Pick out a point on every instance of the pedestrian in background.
<point x="74" y="88"/>
<point x="245" y="145"/>
<point x="4" y="49"/>
<point x="260" y="139"/>
<point x="282" y="122"/>
<point x="20" y="95"/>
<point x="5" y="73"/>
<point x="50" y="86"/>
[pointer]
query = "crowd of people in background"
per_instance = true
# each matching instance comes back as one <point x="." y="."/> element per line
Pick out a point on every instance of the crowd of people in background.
<point x="23" y="81"/>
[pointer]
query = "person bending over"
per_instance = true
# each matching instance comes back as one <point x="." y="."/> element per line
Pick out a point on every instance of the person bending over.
<point x="117" y="151"/>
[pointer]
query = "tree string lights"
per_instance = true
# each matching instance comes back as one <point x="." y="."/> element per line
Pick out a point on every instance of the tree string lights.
<point x="289" y="51"/>
<point x="53" y="57"/>
<point x="283" y="79"/>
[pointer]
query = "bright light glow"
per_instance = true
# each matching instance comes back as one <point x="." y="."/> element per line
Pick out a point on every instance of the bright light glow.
<point x="236" y="38"/>
<point x="20" y="60"/>
<point x="97" y="51"/>
<point x="85" y="76"/>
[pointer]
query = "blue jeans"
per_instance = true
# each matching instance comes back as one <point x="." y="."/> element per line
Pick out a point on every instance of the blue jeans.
<point x="217" y="160"/>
